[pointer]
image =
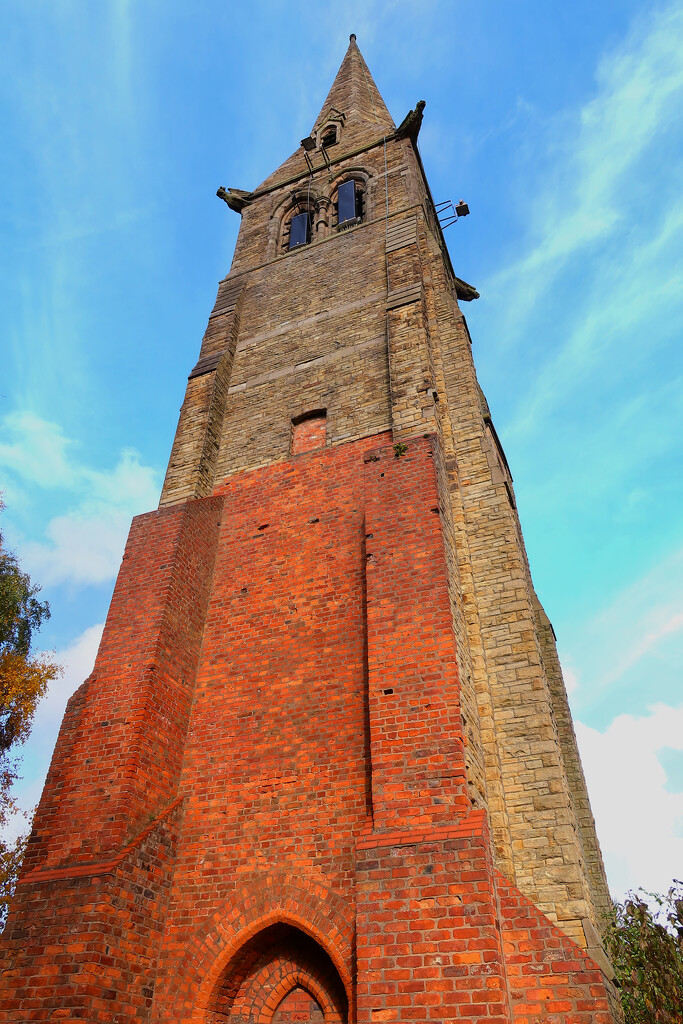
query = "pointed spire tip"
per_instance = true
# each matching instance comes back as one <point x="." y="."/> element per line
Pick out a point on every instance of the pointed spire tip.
<point x="353" y="91"/>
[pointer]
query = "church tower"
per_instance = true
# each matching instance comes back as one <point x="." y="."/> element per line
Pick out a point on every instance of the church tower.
<point x="324" y="768"/>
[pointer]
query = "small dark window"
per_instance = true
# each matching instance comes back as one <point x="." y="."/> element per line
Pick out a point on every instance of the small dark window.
<point x="349" y="202"/>
<point x="329" y="137"/>
<point x="300" y="230"/>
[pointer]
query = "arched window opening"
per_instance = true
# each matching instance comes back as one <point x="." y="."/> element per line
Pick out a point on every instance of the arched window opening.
<point x="330" y="129"/>
<point x="349" y="205"/>
<point x="298" y="219"/>
<point x="278" y="973"/>
<point x="299" y="230"/>
<point x="329" y="136"/>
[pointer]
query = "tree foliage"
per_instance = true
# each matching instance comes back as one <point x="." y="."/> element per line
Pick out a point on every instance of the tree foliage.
<point x="24" y="678"/>
<point x="645" y="942"/>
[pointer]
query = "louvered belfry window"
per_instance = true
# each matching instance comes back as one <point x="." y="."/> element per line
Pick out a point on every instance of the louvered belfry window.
<point x="348" y="202"/>
<point x="300" y="230"/>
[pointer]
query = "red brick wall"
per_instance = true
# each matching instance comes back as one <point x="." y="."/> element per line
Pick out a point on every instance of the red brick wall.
<point x="213" y="955"/>
<point x="118" y="760"/>
<point x="429" y="945"/>
<point x="277" y="767"/>
<point x="418" y="772"/>
<point x="280" y="660"/>
<point x="298" y="1008"/>
<point x="84" y="947"/>
<point x="283" y="976"/>
<point x="552" y="980"/>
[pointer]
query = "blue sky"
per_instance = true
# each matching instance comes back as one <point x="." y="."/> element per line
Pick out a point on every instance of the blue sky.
<point x="562" y="127"/>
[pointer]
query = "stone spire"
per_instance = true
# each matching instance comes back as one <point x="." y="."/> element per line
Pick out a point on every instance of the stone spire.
<point x="354" y="101"/>
<point x="355" y="94"/>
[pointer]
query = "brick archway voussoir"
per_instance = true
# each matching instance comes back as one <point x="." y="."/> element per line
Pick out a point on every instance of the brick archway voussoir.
<point x="308" y="982"/>
<point x="261" y="901"/>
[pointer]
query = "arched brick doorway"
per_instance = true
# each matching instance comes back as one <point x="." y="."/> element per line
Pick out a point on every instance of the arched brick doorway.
<point x="279" y="976"/>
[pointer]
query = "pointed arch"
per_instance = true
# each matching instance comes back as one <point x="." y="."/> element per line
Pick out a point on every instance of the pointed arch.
<point x="331" y="120"/>
<point x="362" y="177"/>
<point x="285" y="989"/>
<point x="262" y="901"/>
<point x="302" y="199"/>
<point x="269" y="966"/>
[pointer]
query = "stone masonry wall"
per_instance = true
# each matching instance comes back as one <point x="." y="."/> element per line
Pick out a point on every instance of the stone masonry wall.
<point x="577" y="782"/>
<point x="530" y="795"/>
<point x="312" y="332"/>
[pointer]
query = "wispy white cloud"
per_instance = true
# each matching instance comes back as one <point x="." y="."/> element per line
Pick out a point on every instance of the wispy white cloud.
<point x="37" y="451"/>
<point x="74" y="123"/>
<point x="595" y="277"/>
<point x="82" y="545"/>
<point x="653" y="634"/>
<point x="76" y="660"/>
<point x="639" y="820"/>
<point x="625" y="290"/>
<point x="631" y="635"/>
<point x="593" y="292"/>
<point x="59" y="235"/>
<point x="590" y="152"/>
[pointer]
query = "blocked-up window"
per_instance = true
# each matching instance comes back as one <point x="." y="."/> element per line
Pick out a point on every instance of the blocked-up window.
<point x="299" y="1005"/>
<point x="309" y="431"/>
